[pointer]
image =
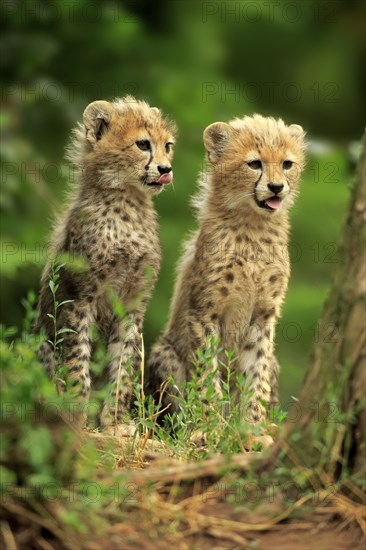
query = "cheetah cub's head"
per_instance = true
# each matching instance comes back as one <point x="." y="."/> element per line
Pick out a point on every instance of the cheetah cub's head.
<point x="255" y="161"/>
<point x="124" y="142"/>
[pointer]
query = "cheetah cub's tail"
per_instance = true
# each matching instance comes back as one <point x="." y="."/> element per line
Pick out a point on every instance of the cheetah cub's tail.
<point x="163" y="364"/>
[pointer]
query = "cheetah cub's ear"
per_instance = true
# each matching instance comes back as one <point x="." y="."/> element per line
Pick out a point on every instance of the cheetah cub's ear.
<point x="296" y="131"/>
<point x="215" y="137"/>
<point x="96" y="118"/>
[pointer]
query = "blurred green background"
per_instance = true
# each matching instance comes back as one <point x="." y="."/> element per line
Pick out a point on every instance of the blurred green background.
<point x="200" y="62"/>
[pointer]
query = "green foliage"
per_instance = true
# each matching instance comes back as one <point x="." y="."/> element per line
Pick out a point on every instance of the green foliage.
<point x="29" y="403"/>
<point x="41" y="461"/>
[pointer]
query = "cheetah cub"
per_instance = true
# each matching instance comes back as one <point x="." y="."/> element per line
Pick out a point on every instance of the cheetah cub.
<point x="234" y="272"/>
<point x="123" y="153"/>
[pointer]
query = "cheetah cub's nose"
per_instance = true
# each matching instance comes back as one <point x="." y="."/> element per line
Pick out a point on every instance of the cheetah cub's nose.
<point x="275" y="187"/>
<point x="164" y="169"/>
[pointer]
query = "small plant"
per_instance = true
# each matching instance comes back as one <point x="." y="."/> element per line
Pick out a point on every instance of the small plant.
<point x="29" y="304"/>
<point x="54" y="285"/>
<point x="209" y="420"/>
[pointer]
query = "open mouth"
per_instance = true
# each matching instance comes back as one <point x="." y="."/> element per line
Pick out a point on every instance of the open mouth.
<point x="272" y="203"/>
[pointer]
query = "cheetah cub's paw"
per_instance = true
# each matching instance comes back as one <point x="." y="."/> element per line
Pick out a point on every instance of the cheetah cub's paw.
<point x="125" y="429"/>
<point x="255" y="413"/>
<point x="198" y="438"/>
<point x="265" y="441"/>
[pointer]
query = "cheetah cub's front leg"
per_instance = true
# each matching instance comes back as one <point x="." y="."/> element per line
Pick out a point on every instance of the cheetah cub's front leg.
<point x="258" y="364"/>
<point x="125" y="350"/>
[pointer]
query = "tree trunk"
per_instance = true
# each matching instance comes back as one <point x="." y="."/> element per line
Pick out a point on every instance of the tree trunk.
<point x="332" y="399"/>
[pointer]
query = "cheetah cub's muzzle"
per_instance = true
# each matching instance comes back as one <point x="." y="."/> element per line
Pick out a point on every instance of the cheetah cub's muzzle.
<point x="166" y="177"/>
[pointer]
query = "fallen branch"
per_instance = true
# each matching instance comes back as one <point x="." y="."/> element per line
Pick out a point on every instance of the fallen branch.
<point x="211" y="467"/>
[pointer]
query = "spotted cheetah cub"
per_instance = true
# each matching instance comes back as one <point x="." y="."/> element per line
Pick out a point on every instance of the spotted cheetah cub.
<point x="235" y="269"/>
<point x="123" y="153"/>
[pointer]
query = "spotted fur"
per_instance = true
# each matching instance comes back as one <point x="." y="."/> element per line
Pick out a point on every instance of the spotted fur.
<point x="234" y="272"/>
<point x="108" y="237"/>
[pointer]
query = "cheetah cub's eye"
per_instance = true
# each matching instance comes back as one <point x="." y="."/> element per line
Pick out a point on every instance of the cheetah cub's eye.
<point x="255" y="165"/>
<point x="168" y="147"/>
<point x="144" y="145"/>
<point x="287" y="164"/>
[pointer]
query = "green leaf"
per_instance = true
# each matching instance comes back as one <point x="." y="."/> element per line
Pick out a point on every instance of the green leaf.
<point x="38" y="445"/>
<point x="58" y="267"/>
<point x="64" y="330"/>
<point x="65" y="302"/>
<point x="73" y="520"/>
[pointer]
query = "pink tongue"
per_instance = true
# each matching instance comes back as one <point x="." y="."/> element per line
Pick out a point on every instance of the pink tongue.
<point x="165" y="178"/>
<point x="273" y="202"/>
